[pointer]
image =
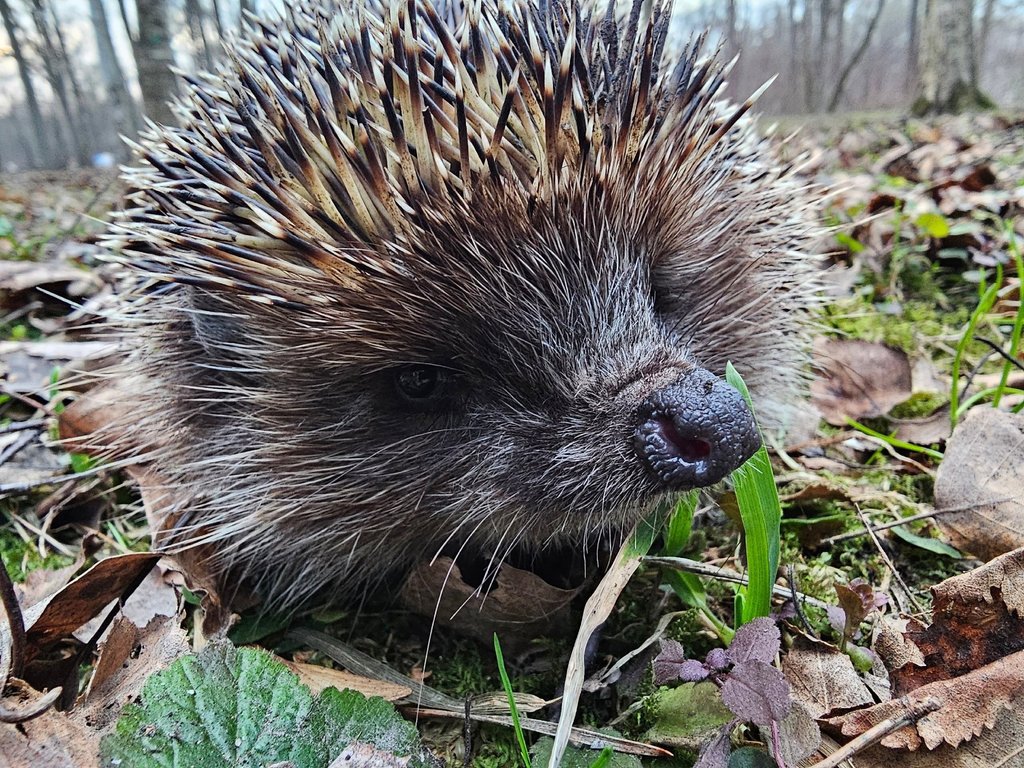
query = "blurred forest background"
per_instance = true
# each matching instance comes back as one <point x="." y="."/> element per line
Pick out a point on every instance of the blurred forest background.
<point x="75" y="75"/>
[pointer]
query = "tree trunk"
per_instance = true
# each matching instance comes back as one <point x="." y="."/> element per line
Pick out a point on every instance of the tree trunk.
<point x="809" y="70"/>
<point x="55" y="67"/>
<point x="732" y="39"/>
<point x="793" y="42"/>
<point x="40" y="149"/>
<point x="858" y="54"/>
<point x="126" y="117"/>
<point x="986" y="28"/>
<point x="154" y="59"/>
<point x="197" y="31"/>
<point x="83" y="103"/>
<point x="949" y="72"/>
<point x="913" y="46"/>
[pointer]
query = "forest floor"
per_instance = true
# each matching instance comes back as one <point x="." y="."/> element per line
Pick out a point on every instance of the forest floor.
<point x="902" y="535"/>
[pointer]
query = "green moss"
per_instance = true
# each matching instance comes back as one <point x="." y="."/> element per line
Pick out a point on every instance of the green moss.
<point x="918" y="405"/>
<point x="20" y="557"/>
<point x="496" y="748"/>
<point x="908" y="326"/>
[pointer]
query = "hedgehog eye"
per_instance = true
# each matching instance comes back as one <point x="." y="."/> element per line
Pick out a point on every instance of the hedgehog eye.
<point x="421" y="384"/>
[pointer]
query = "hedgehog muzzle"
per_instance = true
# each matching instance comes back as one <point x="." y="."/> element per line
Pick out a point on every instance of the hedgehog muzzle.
<point x="695" y="431"/>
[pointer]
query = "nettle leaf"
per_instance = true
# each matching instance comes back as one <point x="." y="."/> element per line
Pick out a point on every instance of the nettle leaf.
<point x="239" y="708"/>
<point x="718" y="659"/>
<point x="668" y="662"/>
<point x="857" y="600"/>
<point x="757" y="640"/>
<point x="757" y="692"/>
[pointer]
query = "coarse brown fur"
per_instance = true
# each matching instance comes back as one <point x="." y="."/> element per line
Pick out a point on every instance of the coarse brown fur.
<point x="557" y="212"/>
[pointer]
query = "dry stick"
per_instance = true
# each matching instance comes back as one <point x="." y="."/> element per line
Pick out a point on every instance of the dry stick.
<point x="878" y="732"/>
<point x="791" y="581"/>
<point x="16" y="622"/>
<point x="886" y="559"/>
<point x="11" y="449"/>
<point x="467" y="734"/>
<point x="913" y="518"/>
<point x="33" y="710"/>
<point x="726" y="574"/>
<point x="605" y="678"/>
<point x="19" y="488"/>
<point x="18" y="426"/>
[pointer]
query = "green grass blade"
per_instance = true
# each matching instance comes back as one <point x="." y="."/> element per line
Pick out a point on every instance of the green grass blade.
<point x="985" y="304"/>
<point x="1018" y="320"/>
<point x="895" y="442"/>
<point x="761" y="515"/>
<point x="507" y="685"/>
<point x="680" y="524"/>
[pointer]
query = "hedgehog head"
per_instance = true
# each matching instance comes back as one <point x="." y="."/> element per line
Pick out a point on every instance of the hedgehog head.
<point x="423" y="278"/>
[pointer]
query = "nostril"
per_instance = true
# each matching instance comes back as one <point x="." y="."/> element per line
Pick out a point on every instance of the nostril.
<point x="689" y="449"/>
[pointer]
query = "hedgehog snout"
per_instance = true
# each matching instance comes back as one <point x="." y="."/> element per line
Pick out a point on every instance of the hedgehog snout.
<point x="695" y="431"/>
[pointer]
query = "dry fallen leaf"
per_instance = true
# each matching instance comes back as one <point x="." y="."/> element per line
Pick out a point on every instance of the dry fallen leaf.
<point x="519" y="606"/>
<point x="823" y="678"/>
<point x="929" y="430"/>
<point x="858" y="379"/>
<point x="59" y="615"/>
<point x="969" y="660"/>
<point x="982" y="479"/>
<point x="1000" y="747"/>
<point x="51" y="740"/>
<point x="319" y="678"/>
<point x="969" y="704"/>
<point x="976" y="620"/>
<point x="127" y="657"/>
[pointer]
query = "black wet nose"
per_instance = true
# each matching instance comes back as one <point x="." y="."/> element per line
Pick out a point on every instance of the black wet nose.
<point x="695" y="432"/>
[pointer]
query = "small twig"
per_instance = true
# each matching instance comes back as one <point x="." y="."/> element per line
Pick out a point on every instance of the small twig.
<point x="886" y="559"/>
<point x="35" y="709"/>
<point x="28" y="401"/>
<point x="16" y="622"/>
<point x="86" y="212"/>
<point x="467" y="734"/>
<point x="19" y="488"/>
<point x="726" y="574"/>
<point x="791" y="581"/>
<point x="12" y="449"/>
<point x="18" y="426"/>
<point x="21" y="525"/>
<point x="880" y="731"/>
<point x="777" y="745"/>
<point x="596" y="682"/>
<point x="881" y="527"/>
<point x="999" y="351"/>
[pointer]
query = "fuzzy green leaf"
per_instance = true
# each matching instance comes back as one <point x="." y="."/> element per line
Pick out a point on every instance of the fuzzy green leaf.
<point x="239" y="707"/>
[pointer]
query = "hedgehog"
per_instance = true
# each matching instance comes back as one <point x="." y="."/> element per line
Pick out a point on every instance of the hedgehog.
<point x="412" y="278"/>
